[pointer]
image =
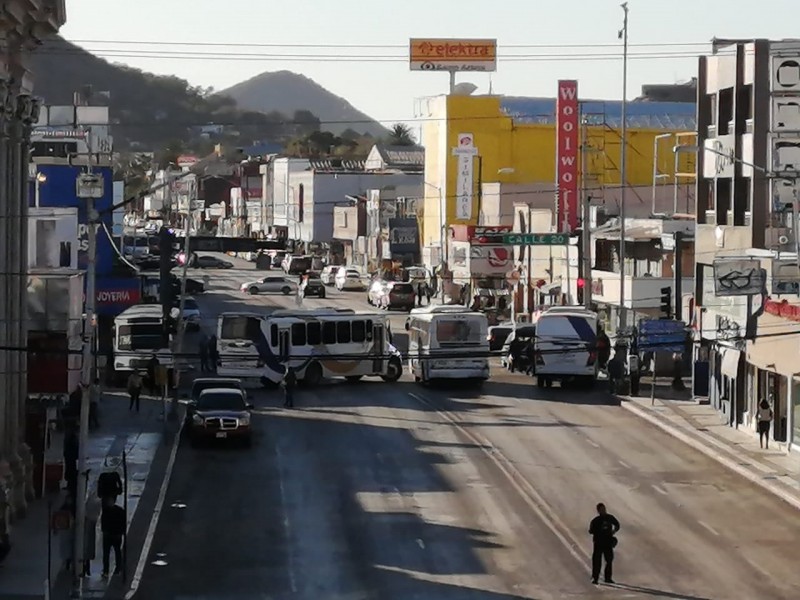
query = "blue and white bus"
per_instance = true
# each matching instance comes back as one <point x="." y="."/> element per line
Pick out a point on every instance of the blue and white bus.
<point x="319" y="344"/>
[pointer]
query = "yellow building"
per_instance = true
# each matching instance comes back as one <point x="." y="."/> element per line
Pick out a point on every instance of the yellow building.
<point x="521" y="150"/>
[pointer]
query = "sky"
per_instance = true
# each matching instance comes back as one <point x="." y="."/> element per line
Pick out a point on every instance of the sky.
<point x="212" y="43"/>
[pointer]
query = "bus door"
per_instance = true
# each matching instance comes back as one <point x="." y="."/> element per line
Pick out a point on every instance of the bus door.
<point x="379" y="346"/>
<point x="284" y="344"/>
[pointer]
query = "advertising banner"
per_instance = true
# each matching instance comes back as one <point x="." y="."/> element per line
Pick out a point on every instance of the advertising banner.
<point x="453" y="55"/>
<point x="403" y="236"/>
<point x="465" y="153"/>
<point x="567" y="155"/>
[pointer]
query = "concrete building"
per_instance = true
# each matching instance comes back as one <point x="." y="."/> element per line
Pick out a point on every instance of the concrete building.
<point x="747" y="304"/>
<point x="23" y="24"/>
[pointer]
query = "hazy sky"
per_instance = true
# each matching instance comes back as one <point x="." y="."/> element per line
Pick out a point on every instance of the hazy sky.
<point x="377" y="79"/>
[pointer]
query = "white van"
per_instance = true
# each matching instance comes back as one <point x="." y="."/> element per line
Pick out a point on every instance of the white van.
<point x="565" y="346"/>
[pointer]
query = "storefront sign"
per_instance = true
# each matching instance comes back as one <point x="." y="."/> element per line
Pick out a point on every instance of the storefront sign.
<point x="738" y="277"/>
<point x="567" y="162"/>
<point x="487" y="235"/>
<point x="404" y="236"/>
<point x="431" y="54"/>
<point x="115" y="295"/>
<point x="465" y="152"/>
<point x="490" y="260"/>
<point x="783" y="309"/>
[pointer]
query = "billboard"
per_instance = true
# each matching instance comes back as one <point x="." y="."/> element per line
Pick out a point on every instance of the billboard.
<point x="567" y="155"/>
<point x="116" y="295"/>
<point x="426" y="54"/>
<point x="404" y="236"/>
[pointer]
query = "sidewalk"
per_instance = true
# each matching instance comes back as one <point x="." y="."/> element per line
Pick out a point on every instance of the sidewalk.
<point x="24" y="573"/>
<point x="703" y="428"/>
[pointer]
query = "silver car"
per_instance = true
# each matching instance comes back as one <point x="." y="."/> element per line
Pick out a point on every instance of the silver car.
<point x="270" y="285"/>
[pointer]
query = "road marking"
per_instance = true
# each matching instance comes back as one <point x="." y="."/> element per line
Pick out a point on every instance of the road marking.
<point x="592" y="443"/>
<point x="660" y="490"/>
<point x="421" y="544"/>
<point x="708" y="527"/>
<point x="623" y="464"/>
<point x="151" y="530"/>
<point x="287" y="526"/>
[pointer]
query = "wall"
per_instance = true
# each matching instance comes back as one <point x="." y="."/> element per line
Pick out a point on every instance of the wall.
<point x="345" y="222"/>
<point x="640" y="292"/>
<point x="434" y="139"/>
<point x="280" y="192"/>
<point x="53" y="238"/>
<point x="776" y="346"/>
<point x="528" y="149"/>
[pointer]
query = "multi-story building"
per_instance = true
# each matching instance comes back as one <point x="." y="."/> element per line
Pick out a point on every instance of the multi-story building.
<point x="747" y="303"/>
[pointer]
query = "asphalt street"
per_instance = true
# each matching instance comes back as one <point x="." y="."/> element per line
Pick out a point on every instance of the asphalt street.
<point x="375" y="490"/>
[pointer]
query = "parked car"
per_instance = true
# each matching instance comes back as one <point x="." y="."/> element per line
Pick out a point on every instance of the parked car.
<point x="349" y="279"/>
<point x="312" y="285"/>
<point x="398" y="294"/>
<point x="220" y="414"/>
<point x="498" y="334"/>
<point x="270" y="285"/>
<point x="328" y="274"/>
<point x="297" y="265"/>
<point x="210" y="262"/>
<point x="375" y="291"/>
<point x="191" y="313"/>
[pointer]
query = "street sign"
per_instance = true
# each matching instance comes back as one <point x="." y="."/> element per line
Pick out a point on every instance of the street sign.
<point x="89" y="186"/>
<point x="536" y="239"/>
<point x="662" y="335"/>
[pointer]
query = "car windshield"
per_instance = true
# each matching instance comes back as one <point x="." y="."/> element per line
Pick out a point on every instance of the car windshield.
<point x="403" y="288"/>
<point x="221" y="401"/>
<point x="200" y="386"/>
<point x="141" y="336"/>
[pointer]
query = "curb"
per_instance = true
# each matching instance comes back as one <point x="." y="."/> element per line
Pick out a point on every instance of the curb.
<point x="730" y="464"/>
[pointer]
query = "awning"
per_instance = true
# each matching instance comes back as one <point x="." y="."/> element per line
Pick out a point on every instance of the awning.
<point x="730" y="362"/>
<point x="551" y="288"/>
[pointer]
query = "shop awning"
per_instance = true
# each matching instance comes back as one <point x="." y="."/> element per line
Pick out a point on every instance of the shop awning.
<point x="730" y="362"/>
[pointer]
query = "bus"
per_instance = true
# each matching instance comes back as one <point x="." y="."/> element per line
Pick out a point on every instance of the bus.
<point x="565" y="346"/>
<point x="447" y="342"/>
<point x="318" y="343"/>
<point x="138" y="336"/>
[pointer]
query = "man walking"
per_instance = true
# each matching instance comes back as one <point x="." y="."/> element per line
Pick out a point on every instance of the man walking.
<point x="203" y="351"/>
<point x="114" y="527"/>
<point x="134" y="390"/>
<point x="602" y="529"/>
<point x="289" y="383"/>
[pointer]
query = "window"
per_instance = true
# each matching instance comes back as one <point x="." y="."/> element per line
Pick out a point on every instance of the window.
<point x="314" y="331"/>
<point x="329" y="333"/>
<point x="273" y="335"/>
<point x="457" y="332"/>
<point x="299" y="334"/>
<point x="241" y="328"/>
<point x="343" y="332"/>
<point x="369" y="330"/>
<point x="359" y="333"/>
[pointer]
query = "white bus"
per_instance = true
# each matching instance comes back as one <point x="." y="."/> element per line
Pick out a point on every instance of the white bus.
<point x="319" y="343"/>
<point x="447" y="342"/>
<point x="565" y="346"/>
<point x="138" y="336"/>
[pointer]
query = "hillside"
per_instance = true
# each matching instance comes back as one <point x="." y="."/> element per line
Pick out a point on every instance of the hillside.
<point x="285" y="92"/>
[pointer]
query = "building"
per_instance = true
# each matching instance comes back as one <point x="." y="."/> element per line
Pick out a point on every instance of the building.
<point x="513" y="141"/>
<point x="748" y="335"/>
<point x="23" y="26"/>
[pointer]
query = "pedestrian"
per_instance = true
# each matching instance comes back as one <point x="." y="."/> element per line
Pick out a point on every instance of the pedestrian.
<point x="71" y="450"/>
<point x="94" y="405"/>
<point x="203" y="352"/>
<point x="428" y="293"/>
<point x="603" y="529"/>
<point x="134" y="390"/>
<point x="289" y="383"/>
<point x="603" y="345"/>
<point x="152" y="373"/>
<point x="616" y="369"/>
<point x="420" y="293"/>
<point x="113" y="525"/>
<point x="93" y="511"/>
<point x="213" y="353"/>
<point x="109" y="485"/>
<point x="764" y="419"/>
<point x="63" y="526"/>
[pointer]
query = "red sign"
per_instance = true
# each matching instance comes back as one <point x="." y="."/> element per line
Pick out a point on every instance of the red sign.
<point x="186" y="160"/>
<point x="782" y="309"/>
<point x="483" y="234"/>
<point x="127" y="297"/>
<point x="567" y="158"/>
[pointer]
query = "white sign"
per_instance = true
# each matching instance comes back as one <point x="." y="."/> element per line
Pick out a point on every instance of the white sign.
<point x="465" y="151"/>
<point x="89" y="186"/>
<point x="738" y="277"/>
<point x="719" y="157"/>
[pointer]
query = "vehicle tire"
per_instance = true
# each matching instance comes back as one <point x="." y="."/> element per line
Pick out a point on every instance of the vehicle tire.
<point x="540" y="382"/>
<point x="394" y="370"/>
<point x="322" y="294"/>
<point x="286" y="290"/>
<point x="253" y="291"/>
<point x="313" y="375"/>
<point x="353" y="378"/>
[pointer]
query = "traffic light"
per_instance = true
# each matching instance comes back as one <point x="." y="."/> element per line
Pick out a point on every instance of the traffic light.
<point x="666" y="302"/>
<point x="581" y="283"/>
<point x="166" y="242"/>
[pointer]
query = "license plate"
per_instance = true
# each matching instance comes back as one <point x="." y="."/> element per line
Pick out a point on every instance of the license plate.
<point x="221" y="434"/>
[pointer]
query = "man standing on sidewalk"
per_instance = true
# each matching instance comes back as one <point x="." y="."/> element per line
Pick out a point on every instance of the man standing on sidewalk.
<point x="134" y="390"/>
<point x="114" y="528"/>
<point x="603" y="529"/>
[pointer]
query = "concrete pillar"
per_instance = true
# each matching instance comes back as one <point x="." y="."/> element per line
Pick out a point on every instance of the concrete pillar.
<point x="5" y="422"/>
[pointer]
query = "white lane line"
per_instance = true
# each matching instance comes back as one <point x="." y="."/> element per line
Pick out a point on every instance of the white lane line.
<point x="708" y="528"/>
<point x="151" y="530"/>
<point x="421" y="544"/>
<point x="661" y="490"/>
<point x="287" y="525"/>
<point x="623" y="464"/>
<point x="592" y="443"/>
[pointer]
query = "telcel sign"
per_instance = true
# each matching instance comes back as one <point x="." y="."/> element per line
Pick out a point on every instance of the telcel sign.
<point x="453" y="55"/>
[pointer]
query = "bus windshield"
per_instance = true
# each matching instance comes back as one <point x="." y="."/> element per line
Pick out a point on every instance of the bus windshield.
<point x="140" y="337"/>
<point x="451" y="331"/>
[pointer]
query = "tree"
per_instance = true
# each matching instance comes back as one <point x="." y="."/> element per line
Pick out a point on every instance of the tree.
<point x="400" y="135"/>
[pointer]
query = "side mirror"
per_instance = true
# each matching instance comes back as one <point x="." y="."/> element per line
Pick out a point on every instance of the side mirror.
<point x="249" y="406"/>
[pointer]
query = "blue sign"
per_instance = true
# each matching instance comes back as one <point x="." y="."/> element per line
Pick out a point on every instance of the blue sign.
<point x="662" y="335"/>
<point x="57" y="190"/>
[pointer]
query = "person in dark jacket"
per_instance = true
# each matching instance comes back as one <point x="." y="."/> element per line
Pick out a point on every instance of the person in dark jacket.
<point x="203" y="352"/>
<point x="289" y="383"/>
<point x="603" y="345"/>
<point x="213" y="353"/>
<point x="152" y="382"/>
<point x="114" y="527"/>
<point x="603" y="528"/>
<point x="71" y="450"/>
<point x="109" y="486"/>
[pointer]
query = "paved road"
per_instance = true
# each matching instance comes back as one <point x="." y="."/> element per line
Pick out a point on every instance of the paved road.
<point x="398" y="491"/>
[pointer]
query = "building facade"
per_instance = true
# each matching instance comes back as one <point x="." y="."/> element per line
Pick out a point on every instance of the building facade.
<point x="747" y="335"/>
<point x="23" y="24"/>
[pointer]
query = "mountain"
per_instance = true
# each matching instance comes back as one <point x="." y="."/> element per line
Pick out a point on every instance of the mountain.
<point x="286" y="92"/>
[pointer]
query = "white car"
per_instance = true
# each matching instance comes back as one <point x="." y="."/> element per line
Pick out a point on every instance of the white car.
<point x="328" y="274"/>
<point x="270" y="285"/>
<point x="348" y="279"/>
<point x="376" y="292"/>
<point x="191" y="313"/>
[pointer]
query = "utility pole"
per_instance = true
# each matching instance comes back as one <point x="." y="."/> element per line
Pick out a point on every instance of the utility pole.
<point x="177" y="355"/>
<point x="678" y="273"/>
<point x="586" y="238"/>
<point x="623" y="168"/>
<point x="89" y="187"/>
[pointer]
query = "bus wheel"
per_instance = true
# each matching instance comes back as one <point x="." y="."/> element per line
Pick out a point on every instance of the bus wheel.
<point x="313" y="376"/>
<point x="394" y="370"/>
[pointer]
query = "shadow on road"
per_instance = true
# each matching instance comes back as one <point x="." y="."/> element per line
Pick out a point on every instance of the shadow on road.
<point x="656" y="593"/>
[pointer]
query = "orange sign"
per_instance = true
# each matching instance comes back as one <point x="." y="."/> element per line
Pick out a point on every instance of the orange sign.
<point x="453" y="55"/>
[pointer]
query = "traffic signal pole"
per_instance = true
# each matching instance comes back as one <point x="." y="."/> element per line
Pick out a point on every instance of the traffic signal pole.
<point x="678" y="271"/>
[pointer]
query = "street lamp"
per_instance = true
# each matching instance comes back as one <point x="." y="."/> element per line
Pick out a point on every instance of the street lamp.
<point x="623" y="168"/>
<point x="40" y="179"/>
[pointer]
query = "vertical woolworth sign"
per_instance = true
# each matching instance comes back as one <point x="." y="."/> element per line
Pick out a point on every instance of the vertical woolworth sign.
<point x="567" y="149"/>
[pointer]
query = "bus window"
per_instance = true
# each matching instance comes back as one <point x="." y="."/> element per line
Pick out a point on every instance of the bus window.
<point x="314" y="332"/>
<point x="329" y="333"/>
<point x="343" y="332"/>
<point x="299" y="334"/>
<point x="370" y="325"/>
<point x="241" y="328"/>
<point x="359" y="335"/>
<point x="273" y="335"/>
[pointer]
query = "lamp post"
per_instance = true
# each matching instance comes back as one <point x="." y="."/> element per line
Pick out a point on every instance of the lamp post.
<point x="443" y="258"/>
<point x="623" y="168"/>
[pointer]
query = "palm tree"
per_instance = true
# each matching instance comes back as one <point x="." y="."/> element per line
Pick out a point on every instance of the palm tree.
<point x="400" y="135"/>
